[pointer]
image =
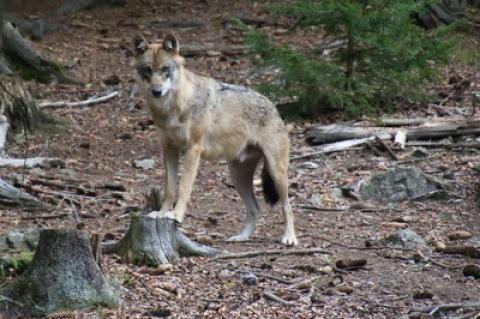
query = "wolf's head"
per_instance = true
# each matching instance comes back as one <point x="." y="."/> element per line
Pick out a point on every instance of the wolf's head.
<point x="158" y="65"/>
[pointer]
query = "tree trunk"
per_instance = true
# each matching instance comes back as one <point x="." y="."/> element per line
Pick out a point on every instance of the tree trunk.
<point x="153" y="241"/>
<point x="29" y="62"/>
<point x="62" y="276"/>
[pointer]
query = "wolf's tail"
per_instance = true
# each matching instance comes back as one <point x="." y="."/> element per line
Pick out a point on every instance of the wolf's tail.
<point x="269" y="189"/>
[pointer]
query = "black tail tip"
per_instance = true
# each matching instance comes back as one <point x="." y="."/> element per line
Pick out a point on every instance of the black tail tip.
<point x="269" y="190"/>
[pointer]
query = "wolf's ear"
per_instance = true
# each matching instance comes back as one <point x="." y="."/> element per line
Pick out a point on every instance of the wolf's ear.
<point x="140" y="44"/>
<point x="170" y="44"/>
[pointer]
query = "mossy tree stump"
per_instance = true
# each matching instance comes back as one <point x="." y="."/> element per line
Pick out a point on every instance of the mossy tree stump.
<point x="62" y="276"/>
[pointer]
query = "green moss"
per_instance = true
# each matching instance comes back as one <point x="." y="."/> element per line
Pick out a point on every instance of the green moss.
<point x="15" y="264"/>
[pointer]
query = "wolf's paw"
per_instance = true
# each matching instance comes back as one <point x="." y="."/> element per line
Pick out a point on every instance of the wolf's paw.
<point x="239" y="237"/>
<point x="290" y="240"/>
<point x="171" y="215"/>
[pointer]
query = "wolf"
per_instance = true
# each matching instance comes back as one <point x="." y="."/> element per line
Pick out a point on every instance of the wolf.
<point x="201" y="117"/>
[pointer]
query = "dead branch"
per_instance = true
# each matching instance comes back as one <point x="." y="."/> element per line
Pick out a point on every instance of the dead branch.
<point x="273" y="297"/>
<point x="32" y="162"/>
<point x="45" y="217"/>
<point x="445" y="307"/>
<point x="201" y="50"/>
<point x="335" y="147"/>
<point x="321" y="209"/>
<point x="469" y="251"/>
<point x="90" y="101"/>
<point x="387" y="148"/>
<point x="283" y="252"/>
<point x="350" y="264"/>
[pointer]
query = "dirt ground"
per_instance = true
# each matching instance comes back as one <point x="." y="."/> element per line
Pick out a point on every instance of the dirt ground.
<point x="102" y="141"/>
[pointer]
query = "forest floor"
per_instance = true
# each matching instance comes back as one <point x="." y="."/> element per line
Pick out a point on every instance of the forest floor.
<point x="102" y="141"/>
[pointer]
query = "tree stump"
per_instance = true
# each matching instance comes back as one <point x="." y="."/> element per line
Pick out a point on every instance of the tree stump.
<point x="62" y="276"/>
<point x="153" y="241"/>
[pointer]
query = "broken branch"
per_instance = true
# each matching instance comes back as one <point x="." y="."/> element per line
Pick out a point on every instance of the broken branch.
<point x="87" y="102"/>
<point x="248" y="254"/>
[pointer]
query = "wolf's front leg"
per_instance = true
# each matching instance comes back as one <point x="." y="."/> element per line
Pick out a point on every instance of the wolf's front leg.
<point x="189" y="173"/>
<point x="171" y="155"/>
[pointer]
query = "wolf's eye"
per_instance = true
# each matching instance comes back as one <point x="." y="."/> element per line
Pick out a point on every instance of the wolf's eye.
<point x="147" y="70"/>
<point x="166" y="69"/>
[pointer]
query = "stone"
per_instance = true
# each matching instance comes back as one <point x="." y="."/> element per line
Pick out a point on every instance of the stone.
<point x="406" y="238"/>
<point x="399" y="184"/>
<point x="19" y="240"/>
<point x="250" y="279"/>
<point x="144" y="164"/>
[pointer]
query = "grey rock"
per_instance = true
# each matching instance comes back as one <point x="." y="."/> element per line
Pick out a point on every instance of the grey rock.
<point x="144" y="164"/>
<point x="337" y="193"/>
<point x="406" y="238"/>
<point x="400" y="184"/>
<point x="19" y="240"/>
<point x="250" y="279"/>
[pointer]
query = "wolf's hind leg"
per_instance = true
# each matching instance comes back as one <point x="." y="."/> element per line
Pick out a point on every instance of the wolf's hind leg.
<point x="277" y="165"/>
<point x="241" y="173"/>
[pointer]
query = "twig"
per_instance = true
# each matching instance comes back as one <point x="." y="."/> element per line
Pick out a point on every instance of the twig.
<point x="283" y="281"/>
<point x="284" y="252"/>
<point x="445" y="307"/>
<point x="271" y="296"/>
<point x="474" y="102"/>
<point x="45" y="217"/>
<point x="89" y="101"/>
<point x="321" y="209"/>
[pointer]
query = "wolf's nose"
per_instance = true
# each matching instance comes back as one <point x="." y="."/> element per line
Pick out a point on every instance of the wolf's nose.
<point x="156" y="92"/>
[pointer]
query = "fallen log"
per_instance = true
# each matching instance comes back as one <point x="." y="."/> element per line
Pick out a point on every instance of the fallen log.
<point x="13" y="197"/>
<point x="337" y="132"/>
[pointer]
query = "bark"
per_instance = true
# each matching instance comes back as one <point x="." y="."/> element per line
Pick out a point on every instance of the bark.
<point x="63" y="275"/>
<point x="153" y="241"/>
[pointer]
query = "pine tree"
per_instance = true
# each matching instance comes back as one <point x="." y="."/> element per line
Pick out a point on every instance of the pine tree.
<point x="385" y="57"/>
